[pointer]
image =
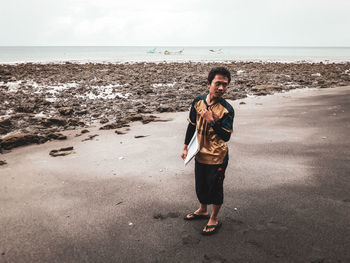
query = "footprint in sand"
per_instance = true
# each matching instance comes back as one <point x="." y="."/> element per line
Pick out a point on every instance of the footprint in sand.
<point x="274" y="225"/>
<point x="189" y="240"/>
<point x="165" y="216"/>
<point x="159" y="216"/>
<point x="213" y="259"/>
<point x="254" y="243"/>
<point x="235" y="221"/>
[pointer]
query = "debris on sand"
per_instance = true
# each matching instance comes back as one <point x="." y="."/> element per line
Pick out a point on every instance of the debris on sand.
<point x="119" y="132"/>
<point x="140" y="136"/>
<point x="57" y="136"/>
<point x="90" y="137"/>
<point x="82" y="132"/>
<point x="62" y="152"/>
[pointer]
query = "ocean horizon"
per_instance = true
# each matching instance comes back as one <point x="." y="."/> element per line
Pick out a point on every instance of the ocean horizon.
<point x="133" y="54"/>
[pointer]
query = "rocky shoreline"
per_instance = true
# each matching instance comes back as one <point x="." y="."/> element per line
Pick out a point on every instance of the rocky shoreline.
<point x="39" y="101"/>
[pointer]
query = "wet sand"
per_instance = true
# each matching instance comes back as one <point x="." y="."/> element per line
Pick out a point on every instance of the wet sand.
<point x="118" y="198"/>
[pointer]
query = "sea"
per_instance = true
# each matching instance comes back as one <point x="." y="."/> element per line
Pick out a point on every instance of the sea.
<point x="133" y="54"/>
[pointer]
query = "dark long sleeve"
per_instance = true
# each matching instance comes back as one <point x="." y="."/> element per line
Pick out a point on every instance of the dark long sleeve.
<point x="189" y="133"/>
<point x="225" y="135"/>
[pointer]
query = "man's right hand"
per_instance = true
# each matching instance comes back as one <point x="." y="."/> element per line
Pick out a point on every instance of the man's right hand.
<point x="184" y="152"/>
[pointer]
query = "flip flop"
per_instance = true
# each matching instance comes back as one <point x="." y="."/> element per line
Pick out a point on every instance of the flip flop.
<point x="196" y="217"/>
<point x="216" y="229"/>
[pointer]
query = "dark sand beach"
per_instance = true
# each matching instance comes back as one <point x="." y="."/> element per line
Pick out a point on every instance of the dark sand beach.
<point x="122" y="197"/>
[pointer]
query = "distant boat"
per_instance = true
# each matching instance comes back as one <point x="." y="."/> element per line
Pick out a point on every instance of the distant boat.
<point x="180" y="52"/>
<point x="152" y="51"/>
<point x="218" y="51"/>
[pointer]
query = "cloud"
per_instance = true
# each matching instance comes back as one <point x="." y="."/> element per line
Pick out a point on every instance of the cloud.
<point x="177" y="22"/>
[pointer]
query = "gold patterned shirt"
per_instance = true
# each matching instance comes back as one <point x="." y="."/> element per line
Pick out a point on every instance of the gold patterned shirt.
<point x="212" y="147"/>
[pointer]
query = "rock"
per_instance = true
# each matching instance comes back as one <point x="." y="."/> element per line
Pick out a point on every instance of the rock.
<point x="90" y="137"/>
<point x="242" y="102"/>
<point x="5" y="126"/>
<point x="104" y="120"/>
<point x="54" y="121"/>
<point x="26" y="108"/>
<point x="135" y="117"/>
<point x="19" y="139"/>
<point x="146" y="91"/>
<point x="65" y="111"/>
<point x="70" y="148"/>
<point x="146" y="119"/>
<point x="81" y="112"/>
<point x="119" y="132"/>
<point x="111" y="126"/>
<point x="2" y="162"/>
<point x="56" y="136"/>
<point x="261" y="93"/>
<point x="75" y="122"/>
<point x="140" y="136"/>
<point x="61" y="152"/>
<point x="5" y="72"/>
<point x="266" y="87"/>
<point x="165" y="108"/>
<point x="84" y="131"/>
<point x="143" y="110"/>
<point x="162" y="120"/>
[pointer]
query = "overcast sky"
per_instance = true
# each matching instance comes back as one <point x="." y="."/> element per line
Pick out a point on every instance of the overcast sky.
<point x="176" y="22"/>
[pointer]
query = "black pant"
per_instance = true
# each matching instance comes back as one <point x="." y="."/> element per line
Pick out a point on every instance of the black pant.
<point x="209" y="182"/>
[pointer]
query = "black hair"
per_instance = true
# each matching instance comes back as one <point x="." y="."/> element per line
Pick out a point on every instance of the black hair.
<point x="219" y="71"/>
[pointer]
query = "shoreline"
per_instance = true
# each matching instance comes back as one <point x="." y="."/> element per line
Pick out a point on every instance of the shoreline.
<point x="149" y="54"/>
<point x="39" y="101"/>
<point x="162" y="61"/>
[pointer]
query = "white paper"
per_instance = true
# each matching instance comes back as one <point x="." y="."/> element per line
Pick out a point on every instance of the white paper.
<point x="192" y="148"/>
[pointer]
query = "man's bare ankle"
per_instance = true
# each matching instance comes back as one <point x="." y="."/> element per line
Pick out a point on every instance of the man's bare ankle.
<point x="199" y="211"/>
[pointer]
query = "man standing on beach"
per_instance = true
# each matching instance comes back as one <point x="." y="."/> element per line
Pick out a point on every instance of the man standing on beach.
<point x="211" y="117"/>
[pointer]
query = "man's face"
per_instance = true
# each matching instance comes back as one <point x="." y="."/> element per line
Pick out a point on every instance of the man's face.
<point x="218" y="86"/>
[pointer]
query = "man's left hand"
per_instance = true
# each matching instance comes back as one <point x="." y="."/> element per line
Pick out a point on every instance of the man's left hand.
<point x="207" y="115"/>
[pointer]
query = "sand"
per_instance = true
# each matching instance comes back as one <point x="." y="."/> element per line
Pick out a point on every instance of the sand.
<point x="118" y="198"/>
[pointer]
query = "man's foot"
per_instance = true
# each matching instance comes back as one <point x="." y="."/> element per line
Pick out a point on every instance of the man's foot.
<point x="197" y="215"/>
<point x="212" y="227"/>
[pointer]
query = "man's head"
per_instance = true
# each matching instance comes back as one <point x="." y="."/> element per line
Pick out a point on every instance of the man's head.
<point x="218" y="80"/>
